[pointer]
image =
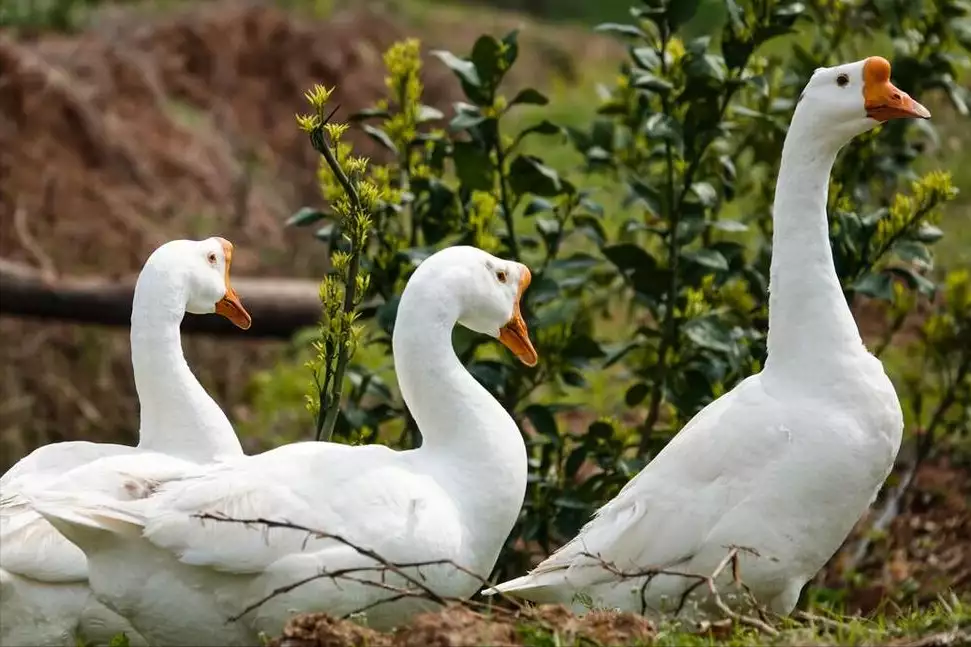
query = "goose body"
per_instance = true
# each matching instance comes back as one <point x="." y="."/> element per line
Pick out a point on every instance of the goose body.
<point x="787" y="461"/>
<point x="45" y="598"/>
<point x="180" y="579"/>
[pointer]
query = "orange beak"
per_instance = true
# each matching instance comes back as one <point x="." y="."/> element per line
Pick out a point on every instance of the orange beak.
<point x="514" y="334"/>
<point x="230" y="306"/>
<point x="882" y="100"/>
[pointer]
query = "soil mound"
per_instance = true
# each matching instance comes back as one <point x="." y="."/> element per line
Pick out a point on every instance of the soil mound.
<point x="147" y="128"/>
<point x="458" y="626"/>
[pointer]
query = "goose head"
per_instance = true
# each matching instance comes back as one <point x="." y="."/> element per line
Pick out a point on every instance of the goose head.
<point x="201" y="269"/>
<point x="850" y="99"/>
<point x="488" y="291"/>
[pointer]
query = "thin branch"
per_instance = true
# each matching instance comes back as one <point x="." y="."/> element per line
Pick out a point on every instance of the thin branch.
<point x="504" y="195"/>
<point x="926" y="441"/>
<point x="730" y="559"/>
<point x="419" y="588"/>
<point x="669" y="327"/>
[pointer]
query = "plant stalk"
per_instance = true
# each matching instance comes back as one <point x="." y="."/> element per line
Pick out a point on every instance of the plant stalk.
<point x="504" y="196"/>
<point x="672" y="215"/>
<point x="326" y="423"/>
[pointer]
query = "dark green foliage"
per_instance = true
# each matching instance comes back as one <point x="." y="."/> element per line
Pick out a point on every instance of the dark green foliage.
<point x="664" y="293"/>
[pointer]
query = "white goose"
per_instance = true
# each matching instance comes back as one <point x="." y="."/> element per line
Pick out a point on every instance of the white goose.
<point x="178" y="578"/>
<point x="44" y="594"/>
<point x="787" y="461"/>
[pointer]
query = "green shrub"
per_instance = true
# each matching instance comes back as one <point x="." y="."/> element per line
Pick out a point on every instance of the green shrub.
<point x="660" y="296"/>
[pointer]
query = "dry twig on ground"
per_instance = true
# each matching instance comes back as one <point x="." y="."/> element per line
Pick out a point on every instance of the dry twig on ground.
<point x="730" y="559"/>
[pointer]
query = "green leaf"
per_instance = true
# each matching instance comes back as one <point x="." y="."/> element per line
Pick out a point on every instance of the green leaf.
<point x="573" y="463"/>
<point x="465" y="70"/>
<point x="511" y="50"/>
<point x="529" y="96"/>
<point x="474" y="166"/>
<point x="538" y="205"/>
<point x="704" y="68"/>
<point x="620" y="29"/>
<point x="912" y="251"/>
<point x="648" y="81"/>
<point x="662" y="127"/>
<point x="735" y="14"/>
<point x="386" y="314"/>
<point x="486" y="56"/>
<point x="710" y="333"/>
<point x="465" y="120"/>
<point x="573" y="378"/>
<point x="915" y="280"/>
<point x="467" y="74"/>
<point x="636" y="394"/>
<point x="646" y="194"/>
<point x="369" y="113"/>
<point x="709" y="258"/>
<point x="736" y="52"/>
<point x="681" y="11"/>
<point x="428" y="113"/>
<point x="928" y="233"/>
<point x="381" y="137"/>
<point x="544" y="127"/>
<point x="618" y="352"/>
<point x="582" y="348"/>
<point x="705" y="193"/>
<point x="591" y="227"/>
<point x="878" y="285"/>
<point x="528" y="174"/>
<point x="543" y="421"/>
<point x="645" y="57"/>
<point x="548" y="228"/>
<point x="731" y="226"/>
<point x="305" y="216"/>
<point x="601" y="430"/>
<point x="325" y="233"/>
<point x="628" y="256"/>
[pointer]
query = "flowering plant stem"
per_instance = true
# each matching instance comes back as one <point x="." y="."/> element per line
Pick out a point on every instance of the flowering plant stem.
<point x="331" y="401"/>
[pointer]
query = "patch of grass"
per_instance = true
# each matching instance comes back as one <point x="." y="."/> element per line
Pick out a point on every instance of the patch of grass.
<point x="949" y="621"/>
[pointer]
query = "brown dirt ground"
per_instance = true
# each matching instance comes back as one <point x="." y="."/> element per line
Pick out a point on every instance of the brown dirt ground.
<point x="458" y="626"/>
<point x="925" y="550"/>
<point x="154" y="124"/>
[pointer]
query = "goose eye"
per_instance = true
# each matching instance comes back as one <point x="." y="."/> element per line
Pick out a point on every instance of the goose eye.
<point x="211" y="258"/>
<point x="842" y="80"/>
<point x="501" y="276"/>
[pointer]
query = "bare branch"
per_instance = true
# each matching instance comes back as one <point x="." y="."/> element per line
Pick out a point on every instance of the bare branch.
<point x="418" y="588"/>
<point x="731" y="559"/>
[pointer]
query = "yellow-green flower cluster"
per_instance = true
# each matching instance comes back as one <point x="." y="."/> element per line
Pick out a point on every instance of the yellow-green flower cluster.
<point x="952" y="323"/>
<point x="695" y="302"/>
<point x="735" y="295"/>
<point x="908" y="212"/>
<point x="317" y="98"/>
<point x="482" y="208"/>
<point x="403" y="63"/>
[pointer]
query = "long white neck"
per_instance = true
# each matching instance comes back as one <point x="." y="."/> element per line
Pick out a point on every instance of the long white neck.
<point x="177" y="416"/>
<point x="809" y="319"/>
<point x="466" y="434"/>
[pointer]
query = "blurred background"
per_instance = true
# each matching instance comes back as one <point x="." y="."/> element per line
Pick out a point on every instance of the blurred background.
<point x="124" y="124"/>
